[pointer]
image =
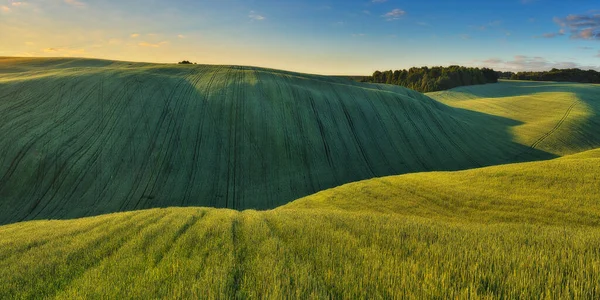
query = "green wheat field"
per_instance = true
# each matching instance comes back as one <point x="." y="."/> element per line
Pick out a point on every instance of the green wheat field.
<point x="131" y="180"/>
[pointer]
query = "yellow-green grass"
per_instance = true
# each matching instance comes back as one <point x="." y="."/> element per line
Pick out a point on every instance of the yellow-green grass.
<point x="558" y="118"/>
<point x="85" y="137"/>
<point x="527" y="230"/>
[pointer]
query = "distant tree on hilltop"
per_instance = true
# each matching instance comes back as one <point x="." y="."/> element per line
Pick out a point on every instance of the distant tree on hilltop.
<point x="186" y="62"/>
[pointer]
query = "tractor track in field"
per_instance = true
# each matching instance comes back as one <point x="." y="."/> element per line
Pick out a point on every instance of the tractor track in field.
<point x="199" y="138"/>
<point x="353" y="131"/>
<point x="93" y="142"/>
<point x="172" y="133"/>
<point x="68" y="163"/>
<point x="418" y="132"/>
<point x="120" y="104"/>
<point x="139" y="174"/>
<point x="323" y="139"/>
<point x="230" y="188"/>
<point x="451" y="139"/>
<point x="298" y="100"/>
<point x="174" y="145"/>
<point x="435" y="136"/>
<point x="403" y="136"/>
<point x="25" y="149"/>
<point x="549" y="133"/>
<point x="150" y="149"/>
<point x="556" y="127"/>
<point x="372" y="133"/>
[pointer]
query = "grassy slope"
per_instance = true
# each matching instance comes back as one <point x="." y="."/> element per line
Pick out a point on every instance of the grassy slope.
<point x="444" y="235"/>
<point x="559" y="118"/>
<point x="87" y="137"/>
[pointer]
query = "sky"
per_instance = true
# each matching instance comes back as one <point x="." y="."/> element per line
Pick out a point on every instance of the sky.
<point x="336" y="37"/>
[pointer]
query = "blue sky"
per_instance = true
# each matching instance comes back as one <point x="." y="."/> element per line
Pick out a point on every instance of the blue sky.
<point x="326" y="37"/>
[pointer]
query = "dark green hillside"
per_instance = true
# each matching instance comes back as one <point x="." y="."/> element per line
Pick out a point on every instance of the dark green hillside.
<point x="87" y="137"/>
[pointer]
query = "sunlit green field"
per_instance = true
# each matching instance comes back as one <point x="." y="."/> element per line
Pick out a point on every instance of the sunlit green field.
<point x="187" y="177"/>
<point x="440" y="235"/>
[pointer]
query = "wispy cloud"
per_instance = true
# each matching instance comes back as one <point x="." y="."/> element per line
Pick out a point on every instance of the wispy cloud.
<point x="181" y="36"/>
<point x="533" y="63"/>
<point x="152" y="45"/>
<point x="5" y="8"/>
<point x="551" y="35"/>
<point x="584" y="26"/>
<point x="134" y="35"/>
<point x="59" y="51"/>
<point x="255" y="16"/>
<point x="395" y="14"/>
<point x="489" y="25"/>
<point x="75" y="3"/>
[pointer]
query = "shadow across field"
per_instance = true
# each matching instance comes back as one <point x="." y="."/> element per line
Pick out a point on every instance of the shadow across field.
<point x="124" y="139"/>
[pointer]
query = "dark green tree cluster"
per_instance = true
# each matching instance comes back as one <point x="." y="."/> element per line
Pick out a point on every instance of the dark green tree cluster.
<point x="505" y="75"/>
<point x="186" y="62"/>
<point x="433" y="79"/>
<point x="568" y="75"/>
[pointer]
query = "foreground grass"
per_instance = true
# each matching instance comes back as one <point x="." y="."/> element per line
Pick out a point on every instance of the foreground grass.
<point x="438" y="235"/>
<point x="85" y="137"/>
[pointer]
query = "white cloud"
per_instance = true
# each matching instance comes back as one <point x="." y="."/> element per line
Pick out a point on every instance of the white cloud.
<point x="255" y="17"/>
<point x="135" y="35"/>
<point x="181" y="36"/>
<point x="395" y="14"/>
<point x="4" y="8"/>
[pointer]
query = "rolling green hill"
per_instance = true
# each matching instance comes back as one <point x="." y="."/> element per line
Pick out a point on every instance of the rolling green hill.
<point x="528" y="230"/>
<point x="558" y="118"/>
<point x="86" y="137"/>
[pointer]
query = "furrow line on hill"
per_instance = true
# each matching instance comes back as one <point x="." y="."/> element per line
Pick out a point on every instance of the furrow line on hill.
<point x="146" y="159"/>
<point x="419" y="135"/>
<point x="110" y="120"/>
<point x="414" y="154"/>
<point x="556" y="127"/>
<point x="298" y="101"/>
<point x="151" y="148"/>
<point x="67" y="164"/>
<point x="23" y="150"/>
<point x="196" y="158"/>
<point x="95" y="135"/>
<point x="371" y="133"/>
<point x="324" y="139"/>
<point x="229" y="139"/>
<point x="174" y="128"/>
<point x="450" y="139"/>
<point x="21" y="111"/>
<point x="262" y="131"/>
<point x="353" y="131"/>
